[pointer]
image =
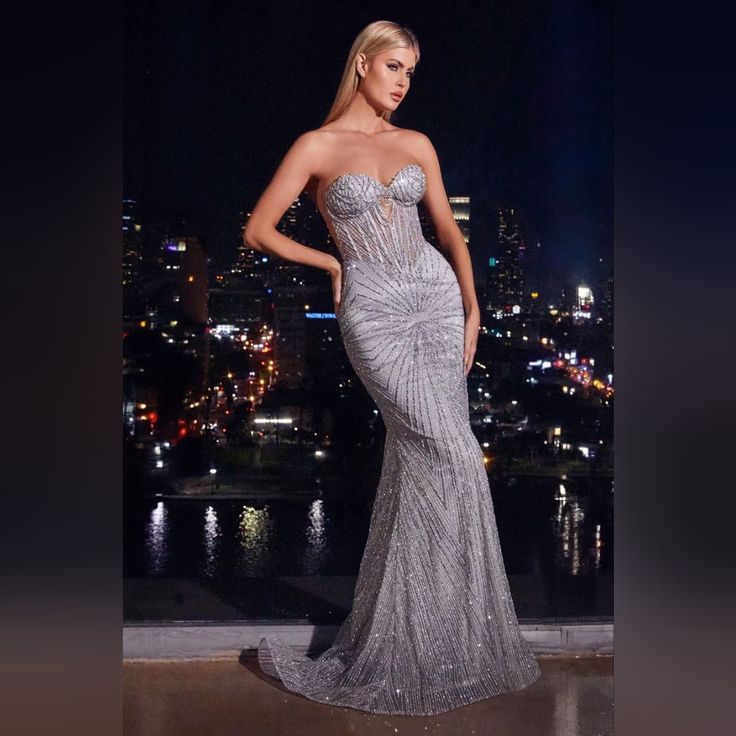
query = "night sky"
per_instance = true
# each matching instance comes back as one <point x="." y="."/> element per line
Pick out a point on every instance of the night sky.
<point x="515" y="96"/>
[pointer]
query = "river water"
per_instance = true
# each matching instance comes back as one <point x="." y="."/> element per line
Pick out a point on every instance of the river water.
<point x="556" y="537"/>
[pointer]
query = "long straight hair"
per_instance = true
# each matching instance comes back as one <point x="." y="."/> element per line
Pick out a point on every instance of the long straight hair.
<point x="375" y="38"/>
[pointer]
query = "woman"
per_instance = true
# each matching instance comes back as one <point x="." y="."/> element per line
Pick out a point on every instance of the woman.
<point x="433" y="625"/>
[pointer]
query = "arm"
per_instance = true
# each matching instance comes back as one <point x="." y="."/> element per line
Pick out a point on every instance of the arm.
<point x="449" y="234"/>
<point x="286" y="185"/>
<point x="451" y="241"/>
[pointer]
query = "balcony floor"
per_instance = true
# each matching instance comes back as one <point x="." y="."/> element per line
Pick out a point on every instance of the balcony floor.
<point x="574" y="697"/>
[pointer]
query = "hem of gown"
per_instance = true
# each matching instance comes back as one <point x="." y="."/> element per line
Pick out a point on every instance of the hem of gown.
<point x="471" y="691"/>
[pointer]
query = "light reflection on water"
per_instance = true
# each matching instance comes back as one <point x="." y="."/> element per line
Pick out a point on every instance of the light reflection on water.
<point x="316" y="537"/>
<point x="235" y="540"/>
<point x="255" y="530"/>
<point x="569" y="524"/>
<point x="211" y="542"/>
<point x="156" y="539"/>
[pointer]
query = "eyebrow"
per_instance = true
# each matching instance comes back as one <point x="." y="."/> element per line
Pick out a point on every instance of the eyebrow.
<point x="399" y="63"/>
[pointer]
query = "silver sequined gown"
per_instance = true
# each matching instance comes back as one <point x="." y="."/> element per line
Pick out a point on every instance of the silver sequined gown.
<point x="433" y="625"/>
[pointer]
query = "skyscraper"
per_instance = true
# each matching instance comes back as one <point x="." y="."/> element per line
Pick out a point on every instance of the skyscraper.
<point x="460" y="207"/>
<point x="182" y="293"/>
<point x="194" y="282"/>
<point x="461" y="212"/>
<point x="505" y="275"/>
<point x="132" y="257"/>
<point x="240" y="296"/>
<point x="584" y="303"/>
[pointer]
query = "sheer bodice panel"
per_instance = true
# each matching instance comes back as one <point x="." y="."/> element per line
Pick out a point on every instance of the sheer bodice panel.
<point x="378" y="223"/>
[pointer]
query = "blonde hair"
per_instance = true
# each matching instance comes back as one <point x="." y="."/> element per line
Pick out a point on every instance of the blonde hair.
<point x="375" y="38"/>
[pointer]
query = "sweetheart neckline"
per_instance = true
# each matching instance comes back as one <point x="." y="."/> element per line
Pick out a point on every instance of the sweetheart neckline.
<point x="371" y="177"/>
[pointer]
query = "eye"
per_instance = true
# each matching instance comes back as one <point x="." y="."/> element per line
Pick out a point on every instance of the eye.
<point x="395" y="67"/>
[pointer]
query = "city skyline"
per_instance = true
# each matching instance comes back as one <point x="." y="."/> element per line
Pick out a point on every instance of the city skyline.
<point x="523" y="122"/>
<point x="505" y="280"/>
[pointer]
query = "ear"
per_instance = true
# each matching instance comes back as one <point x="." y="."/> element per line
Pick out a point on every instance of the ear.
<point x="361" y="62"/>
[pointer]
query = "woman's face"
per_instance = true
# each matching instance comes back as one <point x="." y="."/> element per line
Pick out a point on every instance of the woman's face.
<point x="386" y="78"/>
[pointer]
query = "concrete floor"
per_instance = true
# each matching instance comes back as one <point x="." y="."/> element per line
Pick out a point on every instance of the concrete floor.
<point x="574" y="697"/>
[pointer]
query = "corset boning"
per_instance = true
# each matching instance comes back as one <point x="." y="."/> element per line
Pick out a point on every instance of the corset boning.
<point x="378" y="223"/>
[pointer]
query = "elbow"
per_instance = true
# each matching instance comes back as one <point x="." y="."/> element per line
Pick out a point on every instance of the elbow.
<point x="251" y="240"/>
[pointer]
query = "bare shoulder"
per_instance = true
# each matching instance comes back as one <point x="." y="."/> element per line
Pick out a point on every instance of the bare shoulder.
<point x="308" y="152"/>
<point x="417" y="143"/>
<point x="319" y="143"/>
<point x="310" y="142"/>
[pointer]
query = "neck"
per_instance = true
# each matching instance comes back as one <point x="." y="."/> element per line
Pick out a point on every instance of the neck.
<point x="363" y="117"/>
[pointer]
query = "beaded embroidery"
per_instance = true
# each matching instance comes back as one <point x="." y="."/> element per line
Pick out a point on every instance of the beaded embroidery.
<point x="432" y="626"/>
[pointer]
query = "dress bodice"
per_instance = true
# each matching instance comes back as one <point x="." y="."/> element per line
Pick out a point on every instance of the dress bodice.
<point x="378" y="222"/>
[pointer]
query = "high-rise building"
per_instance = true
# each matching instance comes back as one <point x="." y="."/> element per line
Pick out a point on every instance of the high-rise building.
<point x="606" y="302"/>
<point x="246" y="262"/>
<point x="505" y="274"/>
<point x="461" y="212"/>
<point x="194" y="283"/>
<point x="460" y="207"/>
<point x="182" y="289"/>
<point x="132" y="257"/>
<point x="584" y="303"/>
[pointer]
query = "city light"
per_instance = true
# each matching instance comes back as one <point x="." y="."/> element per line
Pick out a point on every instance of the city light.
<point x="535" y="322"/>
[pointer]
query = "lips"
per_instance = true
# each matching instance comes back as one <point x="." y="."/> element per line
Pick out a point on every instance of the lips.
<point x="396" y="96"/>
